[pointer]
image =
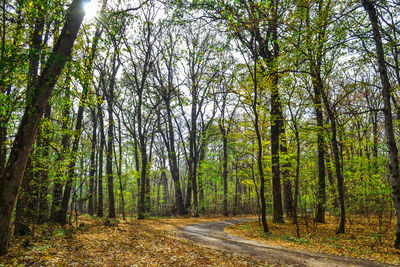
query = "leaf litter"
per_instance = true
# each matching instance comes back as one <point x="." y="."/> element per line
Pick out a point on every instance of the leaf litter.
<point x="150" y="242"/>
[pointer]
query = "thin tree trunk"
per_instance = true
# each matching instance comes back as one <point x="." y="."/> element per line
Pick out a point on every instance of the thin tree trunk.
<point x="287" y="183"/>
<point x="225" y="171"/>
<point x="119" y="167"/>
<point x="339" y="176"/>
<point x="110" y="143"/>
<point x="92" y="170"/>
<point x="321" y="196"/>
<point x="296" y="183"/>
<point x="260" y="151"/>
<point x="101" y="150"/>
<point x="172" y="159"/>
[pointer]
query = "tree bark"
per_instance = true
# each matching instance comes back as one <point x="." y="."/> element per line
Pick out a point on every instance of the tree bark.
<point x="276" y="119"/>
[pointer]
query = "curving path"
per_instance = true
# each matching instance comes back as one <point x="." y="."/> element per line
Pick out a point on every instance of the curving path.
<point x="212" y="234"/>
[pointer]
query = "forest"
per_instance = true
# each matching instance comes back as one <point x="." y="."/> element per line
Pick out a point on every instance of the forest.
<point x="285" y="110"/>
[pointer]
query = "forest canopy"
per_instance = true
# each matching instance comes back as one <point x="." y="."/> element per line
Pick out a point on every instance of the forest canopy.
<point x="159" y="108"/>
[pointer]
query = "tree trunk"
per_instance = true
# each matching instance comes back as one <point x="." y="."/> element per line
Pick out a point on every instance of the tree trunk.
<point x="92" y="169"/>
<point x="321" y="197"/>
<point x="338" y="169"/>
<point x="101" y="150"/>
<point x="276" y="119"/>
<point x="110" y="143"/>
<point x="119" y="167"/>
<point x="173" y="164"/>
<point x="260" y="151"/>
<point x="142" y="207"/>
<point x="143" y="155"/>
<point x="225" y="169"/>
<point x="193" y="155"/>
<point x="38" y="98"/>
<point x="389" y="132"/>
<point x="287" y="183"/>
<point x="296" y="183"/>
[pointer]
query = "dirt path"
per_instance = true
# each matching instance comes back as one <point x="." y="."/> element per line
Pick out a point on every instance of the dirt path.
<point x="212" y="234"/>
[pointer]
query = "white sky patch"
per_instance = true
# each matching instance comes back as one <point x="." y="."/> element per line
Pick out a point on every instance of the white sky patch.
<point x="91" y="8"/>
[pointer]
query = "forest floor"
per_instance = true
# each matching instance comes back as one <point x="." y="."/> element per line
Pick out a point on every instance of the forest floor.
<point x="365" y="237"/>
<point x="150" y="242"/>
<point x="154" y="242"/>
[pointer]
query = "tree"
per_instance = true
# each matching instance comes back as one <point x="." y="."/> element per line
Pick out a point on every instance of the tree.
<point x="37" y="101"/>
<point x="389" y="132"/>
<point x="165" y="73"/>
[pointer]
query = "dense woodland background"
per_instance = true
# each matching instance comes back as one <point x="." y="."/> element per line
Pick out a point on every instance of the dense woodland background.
<point x="282" y="108"/>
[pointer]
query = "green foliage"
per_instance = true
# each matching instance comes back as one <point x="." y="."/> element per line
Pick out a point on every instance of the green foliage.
<point x="300" y="240"/>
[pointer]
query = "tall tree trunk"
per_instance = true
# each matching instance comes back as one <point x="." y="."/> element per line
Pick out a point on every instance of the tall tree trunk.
<point x="260" y="150"/>
<point x="188" y="200"/>
<point x="143" y="155"/>
<point x="236" y="190"/>
<point x="110" y="144"/>
<point x="92" y="169"/>
<point x="38" y="98"/>
<point x="276" y="119"/>
<point x="321" y="197"/>
<point x="287" y="183"/>
<point x="200" y="179"/>
<point x="389" y="132"/>
<point x="225" y="169"/>
<point x="43" y="174"/>
<point x="101" y="150"/>
<point x="192" y="162"/>
<point x="164" y="183"/>
<point x="119" y="167"/>
<point x="173" y="163"/>
<point x="296" y="183"/>
<point x="143" y="177"/>
<point x="276" y="179"/>
<point x="338" y="169"/>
